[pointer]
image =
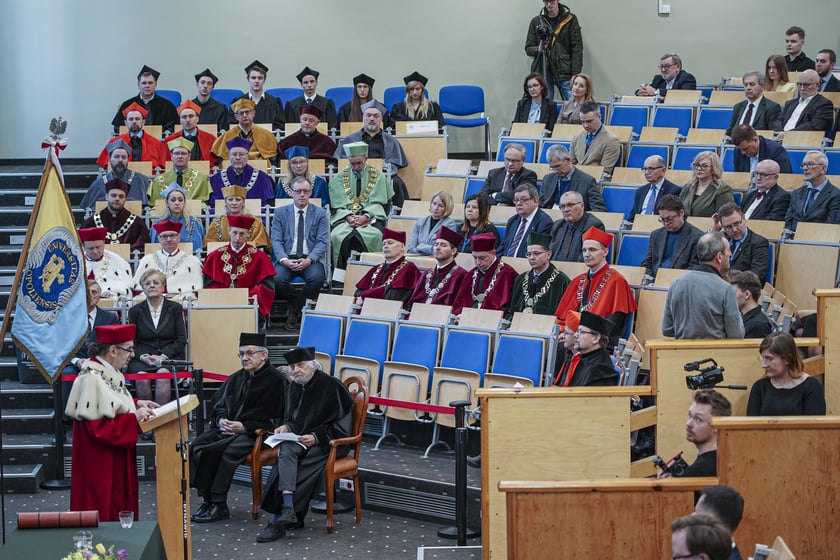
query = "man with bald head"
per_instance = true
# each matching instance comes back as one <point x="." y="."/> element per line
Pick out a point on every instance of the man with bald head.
<point x="567" y="234"/>
<point x="647" y="197"/>
<point x="808" y="111"/>
<point x="817" y="200"/>
<point x="768" y="201"/>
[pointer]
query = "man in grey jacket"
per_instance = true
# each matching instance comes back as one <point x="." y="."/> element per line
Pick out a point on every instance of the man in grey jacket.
<point x="700" y="303"/>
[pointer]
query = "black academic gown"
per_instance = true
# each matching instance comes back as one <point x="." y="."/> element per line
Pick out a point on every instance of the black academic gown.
<point x="161" y="111"/>
<point x="595" y="369"/>
<point x="257" y="401"/>
<point x="323" y="407"/>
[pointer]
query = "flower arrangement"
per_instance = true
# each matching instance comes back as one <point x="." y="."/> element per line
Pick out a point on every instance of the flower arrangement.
<point x="100" y="553"/>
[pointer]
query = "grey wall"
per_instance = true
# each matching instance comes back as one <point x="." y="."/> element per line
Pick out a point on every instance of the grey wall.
<point x="79" y="58"/>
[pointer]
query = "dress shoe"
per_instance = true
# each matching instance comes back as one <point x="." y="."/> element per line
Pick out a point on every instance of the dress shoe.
<point x="293" y="322"/>
<point x="287" y="515"/>
<point x="271" y="532"/>
<point x="298" y="524"/>
<point x="216" y="512"/>
<point x="474" y="461"/>
<point x="201" y="511"/>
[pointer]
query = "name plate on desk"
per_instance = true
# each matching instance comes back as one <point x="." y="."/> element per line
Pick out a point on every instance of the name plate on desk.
<point x="421" y="127"/>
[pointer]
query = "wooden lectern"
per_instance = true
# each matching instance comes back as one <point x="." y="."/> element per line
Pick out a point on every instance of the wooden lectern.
<point x="170" y="510"/>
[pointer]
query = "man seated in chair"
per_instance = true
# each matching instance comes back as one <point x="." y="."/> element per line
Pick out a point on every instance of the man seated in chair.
<point x="267" y="108"/>
<point x="440" y="285"/>
<point x="646" y="199"/>
<point x="671" y="76"/>
<point x="394" y="279"/>
<point x="194" y="183"/>
<point x="108" y="269"/>
<point x="320" y="145"/>
<point x="567" y="234"/>
<point x="118" y="153"/>
<point x="234" y="197"/>
<point x="308" y="79"/>
<point x="748" y="289"/>
<point x="595" y="145"/>
<point x="672" y="245"/>
<point x="501" y="182"/>
<point x="538" y="290"/>
<point x="750" y="250"/>
<point x="182" y="269"/>
<point x="212" y="111"/>
<point x="565" y="177"/>
<point x="190" y="113"/>
<point x="241" y="265"/>
<point x="318" y="408"/>
<point x="143" y="147"/>
<point x="160" y="109"/>
<point x="592" y="365"/>
<point x="121" y="225"/>
<point x="252" y="398"/>
<point x="263" y="143"/>
<point x="257" y="183"/>
<point x="359" y="195"/>
<point x="768" y="201"/>
<point x="699" y="430"/>
<point x="490" y="283"/>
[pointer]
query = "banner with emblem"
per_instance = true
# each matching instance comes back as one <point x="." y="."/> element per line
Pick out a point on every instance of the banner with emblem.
<point x="50" y="291"/>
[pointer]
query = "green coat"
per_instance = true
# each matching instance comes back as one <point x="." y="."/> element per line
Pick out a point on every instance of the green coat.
<point x="547" y="303"/>
<point x="376" y="192"/>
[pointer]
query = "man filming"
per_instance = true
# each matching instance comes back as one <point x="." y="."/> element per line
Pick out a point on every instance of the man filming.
<point x="554" y="41"/>
<point x="707" y="404"/>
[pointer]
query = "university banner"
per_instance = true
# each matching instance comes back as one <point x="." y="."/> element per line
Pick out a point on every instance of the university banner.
<point x="50" y="292"/>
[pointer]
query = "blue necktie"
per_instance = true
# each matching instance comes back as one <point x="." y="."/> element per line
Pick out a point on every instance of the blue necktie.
<point x="651" y="205"/>
<point x="589" y="138"/>
<point x="562" y="186"/>
<point x="517" y="239"/>
<point x="812" y="194"/>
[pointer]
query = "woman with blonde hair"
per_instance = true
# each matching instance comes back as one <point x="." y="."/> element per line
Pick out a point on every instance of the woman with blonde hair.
<point x="582" y="91"/>
<point x="425" y="231"/>
<point x="706" y="191"/>
<point x="192" y="231"/>
<point x="416" y="107"/>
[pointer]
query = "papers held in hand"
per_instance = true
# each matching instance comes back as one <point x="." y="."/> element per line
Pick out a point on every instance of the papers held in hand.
<point x="275" y="439"/>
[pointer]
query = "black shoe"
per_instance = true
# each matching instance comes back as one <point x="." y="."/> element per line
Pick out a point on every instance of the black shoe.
<point x="271" y="532"/>
<point x="301" y="517"/>
<point x="474" y="461"/>
<point x="216" y="512"/>
<point x="201" y="511"/>
<point x="287" y="515"/>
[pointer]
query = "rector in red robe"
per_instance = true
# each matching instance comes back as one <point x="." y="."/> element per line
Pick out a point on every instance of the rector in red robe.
<point x="440" y="285"/>
<point x="490" y="284"/>
<point x="395" y="278"/>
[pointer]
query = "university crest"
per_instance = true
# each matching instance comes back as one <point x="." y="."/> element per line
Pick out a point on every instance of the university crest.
<point x="53" y="272"/>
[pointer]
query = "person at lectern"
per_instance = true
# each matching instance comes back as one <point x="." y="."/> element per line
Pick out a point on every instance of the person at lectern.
<point x="105" y="427"/>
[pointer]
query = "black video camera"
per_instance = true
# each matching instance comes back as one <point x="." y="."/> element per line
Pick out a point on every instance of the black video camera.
<point x="675" y="466"/>
<point x="708" y="377"/>
<point x="543" y="31"/>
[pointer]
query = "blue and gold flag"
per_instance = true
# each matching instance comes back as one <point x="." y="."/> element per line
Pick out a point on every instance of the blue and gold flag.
<point x="50" y="294"/>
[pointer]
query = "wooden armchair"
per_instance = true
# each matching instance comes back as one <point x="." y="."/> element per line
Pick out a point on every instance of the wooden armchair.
<point x="336" y="467"/>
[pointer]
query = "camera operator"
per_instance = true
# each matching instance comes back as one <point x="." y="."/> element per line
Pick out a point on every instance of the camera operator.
<point x="707" y="404"/>
<point x="555" y="43"/>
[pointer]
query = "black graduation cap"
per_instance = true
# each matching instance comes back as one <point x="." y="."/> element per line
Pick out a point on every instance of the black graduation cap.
<point x="148" y="70"/>
<point x="300" y="354"/>
<point x="252" y="339"/>
<point x="416" y="77"/>
<point x="258" y="66"/>
<point x="307" y="72"/>
<point x="208" y="73"/>
<point x="363" y="79"/>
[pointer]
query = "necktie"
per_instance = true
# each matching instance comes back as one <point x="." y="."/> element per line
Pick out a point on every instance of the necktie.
<point x="589" y="138"/>
<point x="136" y="149"/>
<point x="190" y="138"/>
<point x="562" y="186"/>
<point x="748" y="114"/>
<point x="358" y="185"/>
<point x="309" y="101"/>
<point x="812" y="194"/>
<point x="506" y="186"/>
<point x="299" y="248"/>
<point x="517" y="239"/>
<point x="759" y="195"/>
<point x="823" y="82"/>
<point x="651" y="205"/>
<point x="566" y="242"/>
<point x="180" y="178"/>
<point x="733" y="246"/>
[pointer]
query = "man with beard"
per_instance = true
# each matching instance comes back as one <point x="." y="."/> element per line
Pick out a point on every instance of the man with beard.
<point x="319" y="145"/>
<point x="142" y="147"/>
<point x="699" y="430"/>
<point x="395" y="278"/>
<point x="252" y="398"/>
<point x="160" y="111"/>
<point x="122" y="226"/>
<point x="592" y="365"/>
<point x="318" y="408"/>
<point x="440" y="285"/>
<point x="118" y="154"/>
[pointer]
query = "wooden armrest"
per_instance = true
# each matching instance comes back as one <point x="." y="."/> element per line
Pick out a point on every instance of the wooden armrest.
<point x="345" y="440"/>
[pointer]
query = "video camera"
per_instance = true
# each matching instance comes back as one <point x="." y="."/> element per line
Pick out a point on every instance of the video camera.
<point x="708" y="377"/>
<point x="675" y="466"/>
<point x="543" y="31"/>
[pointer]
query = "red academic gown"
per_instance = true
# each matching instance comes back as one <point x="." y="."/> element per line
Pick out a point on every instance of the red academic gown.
<point x="401" y="275"/>
<point x="105" y="466"/>
<point x="205" y="144"/>
<point x="137" y="234"/>
<point x="615" y="296"/>
<point x="153" y="150"/>
<point x="440" y="295"/>
<point x="475" y="285"/>
<point x="257" y="271"/>
<point x="320" y="145"/>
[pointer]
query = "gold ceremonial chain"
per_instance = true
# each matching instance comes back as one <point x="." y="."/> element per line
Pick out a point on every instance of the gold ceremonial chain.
<point x="588" y="305"/>
<point x="390" y="279"/>
<point x="241" y="269"/>
<point x="432" y="292"/>
<point x="115" y="237"/>
<point x="251" y="181"/>
<point x="530" y="302"/>
<point x="480" y="297"/>
<point x="357" y="200"/>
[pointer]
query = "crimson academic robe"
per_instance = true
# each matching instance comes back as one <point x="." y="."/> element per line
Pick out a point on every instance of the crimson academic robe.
<point x="320" y="145"/>
<point x="258" y="276"/>
<point x="258" y="183"/>
<point x="384" y="281"/>
<point x="136" y="234"/>
<point x="439" y="285"/>
<point x="475" y="287"/>
<point x="152" y="150"/>
<point x="199" y="152"/>
<point x="609" y="293"/>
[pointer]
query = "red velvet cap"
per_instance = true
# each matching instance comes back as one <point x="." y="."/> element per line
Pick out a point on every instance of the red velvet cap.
<point x="310" y="110"/>
<point x="115" y="334"/>
<point x="240" y="220"/>
<point x="598" y="235"/>
<point x="135" y="107"/>
<point x="449" y="235"/>
<point x="394" y="234"/>
<point x="93" y="234"/>
<point x="117" y="183"/>
<point x="167" y="225"/>
<point x="483" y="242"/>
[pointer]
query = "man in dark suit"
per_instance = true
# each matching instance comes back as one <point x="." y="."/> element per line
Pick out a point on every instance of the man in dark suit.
<point x="752" y="148"/>
<point x="756" y="110"/>
<point x="809" y="111"/>
<point x="768" y="201"/>
<point x="749" y="250"/>
<point x="672" y="245"/>
<point x="817" y="200"/>
<point x="645" y="201"/>
<point x="567" y="234"/>
<point x="825" y="61"/>
<point x="529" y="218"/>
<point x="300" y="234"/>
<point x="502" y="181"/>
<point x="308" y="79"/>
<point x="671" y="76"/>
<point x="565" y="177"/>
